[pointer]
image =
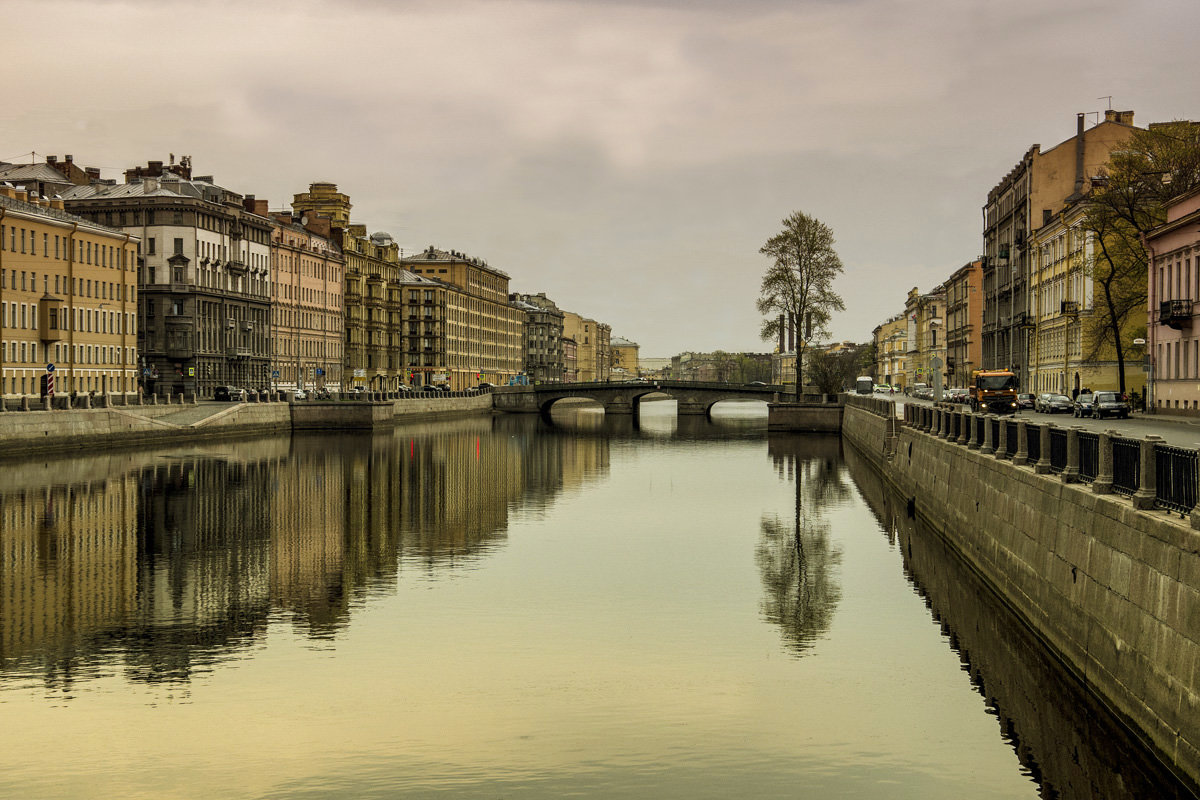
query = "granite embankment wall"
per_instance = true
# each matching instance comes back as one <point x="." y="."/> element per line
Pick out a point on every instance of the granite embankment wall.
<point x="24" y="432"/>
<point x="1113" y="591"/>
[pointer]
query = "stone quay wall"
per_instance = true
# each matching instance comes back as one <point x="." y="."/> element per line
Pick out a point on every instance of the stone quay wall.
<point x="1111" y="586"/>
<point x="112" y="425"/>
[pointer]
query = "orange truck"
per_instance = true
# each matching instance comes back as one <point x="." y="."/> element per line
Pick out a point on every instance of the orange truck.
<point x="994" y="390"/>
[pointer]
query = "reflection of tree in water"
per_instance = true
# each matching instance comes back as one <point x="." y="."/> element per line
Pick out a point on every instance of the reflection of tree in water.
<point x="798" y="558"/>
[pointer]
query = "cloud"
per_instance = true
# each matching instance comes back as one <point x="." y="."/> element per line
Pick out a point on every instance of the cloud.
<point x="627" y="157"/>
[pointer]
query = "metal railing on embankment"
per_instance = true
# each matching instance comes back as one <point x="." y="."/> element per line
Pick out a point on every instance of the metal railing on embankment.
<point x="1150" y="472"/>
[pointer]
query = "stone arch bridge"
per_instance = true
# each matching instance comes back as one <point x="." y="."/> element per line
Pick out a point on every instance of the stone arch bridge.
<point x="695" y="399"/>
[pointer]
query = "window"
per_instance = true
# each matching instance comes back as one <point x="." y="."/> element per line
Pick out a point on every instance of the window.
<point x="150" y="245"/>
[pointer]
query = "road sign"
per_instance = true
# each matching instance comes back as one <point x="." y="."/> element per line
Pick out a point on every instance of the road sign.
<point x="191" y="372"/>
<point x="49" y="368"/>
<point x="274" y="373"/>
<point x="320" y="371"/>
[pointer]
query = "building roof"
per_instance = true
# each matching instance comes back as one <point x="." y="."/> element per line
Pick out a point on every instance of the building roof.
<point x="15" y="173"/>
<point x="619" y="342"/>
<point x="53" y="213"/>
<point x="433" y="255"/>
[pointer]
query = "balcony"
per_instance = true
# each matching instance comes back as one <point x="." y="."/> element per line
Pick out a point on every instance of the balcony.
<point x="236" y="267"/>
<point x="1175" y="313"/>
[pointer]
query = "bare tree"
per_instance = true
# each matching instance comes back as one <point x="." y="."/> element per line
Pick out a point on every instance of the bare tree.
<point x="797" y="289"/>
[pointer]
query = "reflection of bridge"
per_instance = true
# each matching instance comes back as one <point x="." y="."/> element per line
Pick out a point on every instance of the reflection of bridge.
<point x="623" y="398"/>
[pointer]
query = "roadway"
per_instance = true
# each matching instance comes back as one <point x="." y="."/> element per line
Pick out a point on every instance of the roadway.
<point x="1178" y="432"/>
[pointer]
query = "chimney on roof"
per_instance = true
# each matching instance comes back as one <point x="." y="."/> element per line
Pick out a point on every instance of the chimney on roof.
<point x="318" y="224"/>
<point x="52" y="160"/>
<point x="70" y="158"/>
<point x="255" y="206"/>
<point x="155" y="167"/>
<point x="93" y="174"/>
<point x="1120" y="117"/>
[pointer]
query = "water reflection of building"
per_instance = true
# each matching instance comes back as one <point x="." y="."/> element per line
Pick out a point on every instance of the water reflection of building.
<point x="68" y="558"/>
<point x="165" y="562"/>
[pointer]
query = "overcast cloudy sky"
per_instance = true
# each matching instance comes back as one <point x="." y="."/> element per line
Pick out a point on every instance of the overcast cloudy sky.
<point x="626" y="158"/>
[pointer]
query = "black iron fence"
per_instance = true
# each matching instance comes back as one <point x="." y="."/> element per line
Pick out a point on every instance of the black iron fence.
<point x="1127" y="465"/>
<point x="1176" y="470"/>
<point x="1058" y="450"/>
<point x="1174" y="478"/>
<point x="1089" y="456"/>
<point x="1033" y="443"/>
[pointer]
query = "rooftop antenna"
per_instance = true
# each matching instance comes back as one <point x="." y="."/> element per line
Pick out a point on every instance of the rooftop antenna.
<point x="1107" y="97"/>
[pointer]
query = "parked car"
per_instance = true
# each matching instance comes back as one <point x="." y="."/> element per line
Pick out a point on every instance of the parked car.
<point x="300" y="394"/>
<point x="1051" y="403"/>
<point x="1083" y="405"/>
<point x="957" y="396"/>
<point x="485" y="386"/>
<point x="323" y="394"/>
<point x="757" y="383"/>
<point x="1109" y="404"/>
<point x="229" y="394"/>
<point x="1024" y="400"/>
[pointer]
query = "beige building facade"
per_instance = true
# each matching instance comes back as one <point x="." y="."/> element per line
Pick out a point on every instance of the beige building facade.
<point x="624" y="359"/>
<point x="891" y="350"/>
<point x="68" y="298"/>
<point x="925" y="342"/>
<point x="964" y="324"/>
<point x="308" y="320"/>
<point x="484" y="331"/>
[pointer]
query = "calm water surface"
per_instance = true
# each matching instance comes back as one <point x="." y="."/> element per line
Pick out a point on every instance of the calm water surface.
<point x="498" y="607"/>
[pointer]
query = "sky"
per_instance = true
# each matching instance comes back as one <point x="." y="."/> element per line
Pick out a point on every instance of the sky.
<point x="626" y="158"/>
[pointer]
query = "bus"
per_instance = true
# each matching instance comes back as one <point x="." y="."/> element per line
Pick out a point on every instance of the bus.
<point x="864" y="385"/>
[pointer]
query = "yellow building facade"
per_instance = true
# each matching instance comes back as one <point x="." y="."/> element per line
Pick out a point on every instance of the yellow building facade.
<point x="68" y="297"/>
<point x="1062" y="302"/>
<point x="890" y="351"/>
<point x="484" y="331"/>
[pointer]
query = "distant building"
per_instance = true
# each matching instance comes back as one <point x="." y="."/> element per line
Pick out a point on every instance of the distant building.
<point x="204" y="276"/>
<point x="925" y="350"/>
<point x="484" y="331"/>
<point x="543" y="337"/>
<point x="891" y="349"/>
<point x="592" y="344"/>
<point x="570" y="360"/>
<point x="964" y="323"/>
<point x="68" y="297"/>
<point x="625" y="358"/>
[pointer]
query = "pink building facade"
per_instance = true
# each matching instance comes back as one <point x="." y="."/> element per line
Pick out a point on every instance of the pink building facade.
<point x="1173" y="333"/>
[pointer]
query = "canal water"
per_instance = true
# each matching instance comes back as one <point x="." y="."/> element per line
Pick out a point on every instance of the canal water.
<point x="505" y="607"/>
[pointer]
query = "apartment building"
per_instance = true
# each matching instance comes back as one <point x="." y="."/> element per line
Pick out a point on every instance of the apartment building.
<point x="203" y="275"/>
<point x="964" y="323"/>
<point x="371" y="297"/>
<point x="543" y="340"/>
<point x="1038" y="185"/>
<point x="484" y="331"/>
<point x="1173" y="337"/>
<point x="308" y="320"/>
<point x="68" y="300"/>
